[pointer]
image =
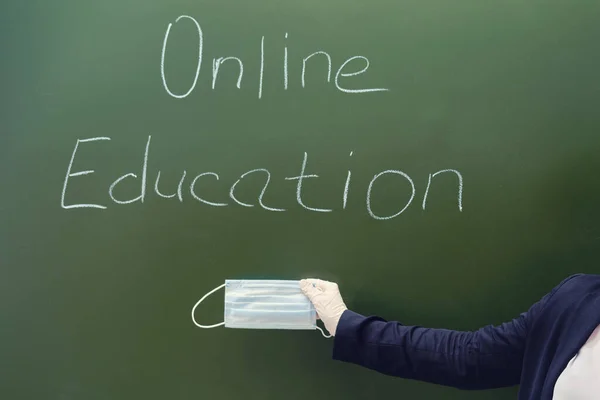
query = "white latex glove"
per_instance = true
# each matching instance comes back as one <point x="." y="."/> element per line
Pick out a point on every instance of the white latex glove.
<point x="327" y="300"/>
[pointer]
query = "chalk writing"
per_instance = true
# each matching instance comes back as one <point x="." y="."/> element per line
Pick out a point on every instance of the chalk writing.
<point x="343" y="72"/>
<point x="164" y="49"/>
<point x="216" y="63"/>
<point x="347" y="185"/>
<point x="210" y="203"/>
<point x="299" y="180"/>
<point x="262" y="66"/>
<point x="80" y="173"/>
<point x="262" y="193"/>
<point x="349" y="74"/>
<point x="328" y="65"/>
<point x="391" y="171"/>
<point x="285" y="65"/>
<point x="166" y="196"/>
<point x="179" y="193"/>
<point x="132" y="175"/>
<point x="460" y="186"/>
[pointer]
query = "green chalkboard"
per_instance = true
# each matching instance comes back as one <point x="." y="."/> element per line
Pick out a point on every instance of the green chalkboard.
<point x="430" y="156"/>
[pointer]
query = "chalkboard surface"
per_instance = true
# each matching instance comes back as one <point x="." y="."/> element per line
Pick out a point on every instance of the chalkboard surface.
<point x="438" y="159"/>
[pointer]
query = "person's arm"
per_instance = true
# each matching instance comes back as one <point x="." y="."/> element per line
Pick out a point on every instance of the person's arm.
<point x="490" y="357"/>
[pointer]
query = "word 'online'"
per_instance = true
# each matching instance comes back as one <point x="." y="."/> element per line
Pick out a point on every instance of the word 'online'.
<point x="344" y="71"/>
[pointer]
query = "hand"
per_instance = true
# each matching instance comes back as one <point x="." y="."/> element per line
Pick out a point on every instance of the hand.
<point x="327" y="300"/>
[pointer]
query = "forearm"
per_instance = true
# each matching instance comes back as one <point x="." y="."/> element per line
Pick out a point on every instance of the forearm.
<point x="488" y="358"/>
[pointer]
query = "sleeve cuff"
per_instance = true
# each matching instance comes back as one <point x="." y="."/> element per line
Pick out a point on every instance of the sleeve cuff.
<point x="345" y="343"/>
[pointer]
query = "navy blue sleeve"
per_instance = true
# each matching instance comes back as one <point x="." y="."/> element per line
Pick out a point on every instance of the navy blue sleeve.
<point x="488" y="358"/>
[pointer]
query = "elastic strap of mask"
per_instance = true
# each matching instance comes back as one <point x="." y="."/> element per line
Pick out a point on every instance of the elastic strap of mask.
<point x="200" y="301"/>
<point x="323" y="333"/>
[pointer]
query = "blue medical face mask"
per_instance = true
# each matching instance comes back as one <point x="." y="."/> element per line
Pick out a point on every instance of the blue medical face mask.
<point x="264" y="304"/>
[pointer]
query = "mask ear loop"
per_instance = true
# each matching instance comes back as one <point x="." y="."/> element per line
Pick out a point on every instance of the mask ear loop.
<point x="323" y="333"/>
<point x="200" y="301"/>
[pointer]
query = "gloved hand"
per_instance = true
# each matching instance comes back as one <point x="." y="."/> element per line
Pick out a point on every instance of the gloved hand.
<point x="327" y="300"/>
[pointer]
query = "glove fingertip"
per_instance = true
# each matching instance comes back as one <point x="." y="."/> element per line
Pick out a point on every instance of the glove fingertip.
<point x="305" y="286"/>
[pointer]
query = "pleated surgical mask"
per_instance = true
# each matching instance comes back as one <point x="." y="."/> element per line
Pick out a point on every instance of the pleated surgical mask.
<point x="264" y="304"/>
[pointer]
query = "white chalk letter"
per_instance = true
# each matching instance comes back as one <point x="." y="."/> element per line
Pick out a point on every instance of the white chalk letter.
<point x="262" y="193"/>
<point x="299" y="187"/>
<point x="460" y="186"/>
<point x="164" y="49"/>
<point x="217" y="63"/>
<point x="285" y="65"/>
<point x="262" y="66"/>
<point x="390" y="171"/>
<point x="210" y="203"/>
<point x="347" y="185"/>
<point x="80" y="173"/>
<point x="121" y="178"/>
<point x="339" y="73"/>
<point x="170" y="196"/>
<point x="314" y="54"/>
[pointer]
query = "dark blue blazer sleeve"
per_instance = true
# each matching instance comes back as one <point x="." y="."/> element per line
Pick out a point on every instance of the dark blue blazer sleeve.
<point x="488" y="358"/>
